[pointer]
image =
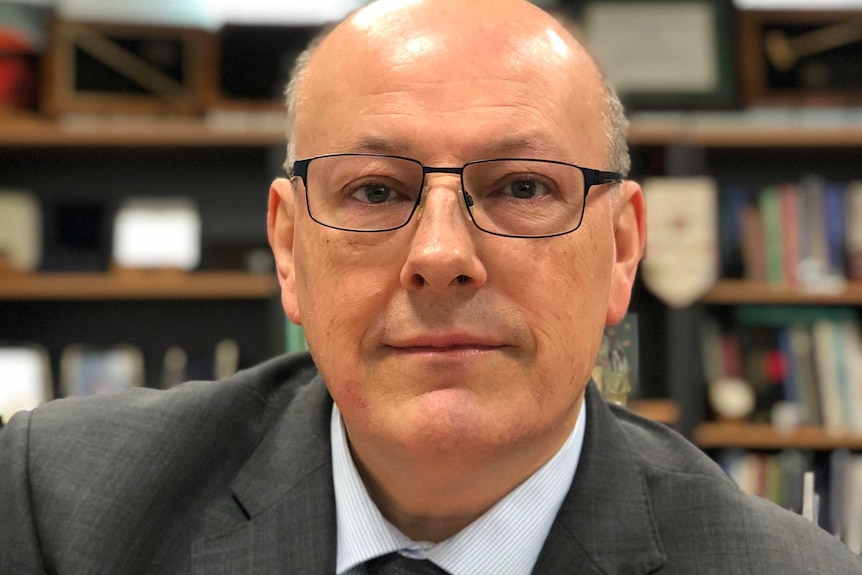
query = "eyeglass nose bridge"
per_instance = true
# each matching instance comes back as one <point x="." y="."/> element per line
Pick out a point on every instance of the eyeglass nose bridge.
<point x="456" y="171"/>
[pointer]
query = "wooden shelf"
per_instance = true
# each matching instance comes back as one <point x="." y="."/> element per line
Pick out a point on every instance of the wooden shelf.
<point x="31" y="131"/>
<point x="743" y="292"/>
<point x="738" y="130"/>
<point x="662" y="410"/>
<point x="239" y="129"/>
<point x="764" y="436"/>
<point x="128" y="285"/>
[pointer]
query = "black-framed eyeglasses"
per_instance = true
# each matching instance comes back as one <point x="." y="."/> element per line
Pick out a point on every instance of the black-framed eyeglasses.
<point x="512" y="197"/>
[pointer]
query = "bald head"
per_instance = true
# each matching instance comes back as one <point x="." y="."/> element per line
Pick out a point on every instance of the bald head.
<point x="410" y="32"/>
<point x="425" y="40"/>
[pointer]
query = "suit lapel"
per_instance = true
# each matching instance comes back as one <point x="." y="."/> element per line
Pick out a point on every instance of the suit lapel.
<point x="606" y="523"/>
<point x="282" y="516"/>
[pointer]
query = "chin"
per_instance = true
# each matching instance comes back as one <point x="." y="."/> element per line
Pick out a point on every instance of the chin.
<point x="455" y="418"/>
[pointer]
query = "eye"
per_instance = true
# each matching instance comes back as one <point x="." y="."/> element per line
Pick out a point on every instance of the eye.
<point x="373" y="193"/>
<point x="526" y="188"/>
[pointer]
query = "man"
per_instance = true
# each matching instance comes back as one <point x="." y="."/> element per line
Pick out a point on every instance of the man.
<point x="454" y="235"/>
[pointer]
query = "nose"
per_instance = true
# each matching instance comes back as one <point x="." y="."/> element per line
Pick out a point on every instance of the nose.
<point x="443" y="256"/>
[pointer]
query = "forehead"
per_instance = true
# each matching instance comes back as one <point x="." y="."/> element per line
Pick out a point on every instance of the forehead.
<point x="429" y="89"/>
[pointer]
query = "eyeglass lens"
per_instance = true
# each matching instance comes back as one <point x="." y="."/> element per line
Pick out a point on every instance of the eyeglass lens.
<point x="519" y="197"/>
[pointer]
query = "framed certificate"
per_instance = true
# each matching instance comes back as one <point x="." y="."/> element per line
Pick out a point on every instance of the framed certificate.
<point x="664" y="53"/>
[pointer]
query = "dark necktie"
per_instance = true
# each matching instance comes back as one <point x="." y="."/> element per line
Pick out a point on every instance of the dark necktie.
<point x="397" y="564"/>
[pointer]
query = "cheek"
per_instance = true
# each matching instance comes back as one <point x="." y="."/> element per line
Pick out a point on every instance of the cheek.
<point x="341" y="292"/>
<point x="565" y="295"/>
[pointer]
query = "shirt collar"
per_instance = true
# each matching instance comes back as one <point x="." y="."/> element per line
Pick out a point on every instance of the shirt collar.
<point x="505" y="539"/>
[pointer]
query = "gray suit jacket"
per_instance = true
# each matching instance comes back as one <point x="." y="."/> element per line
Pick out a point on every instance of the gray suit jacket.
<point x="235" y="477"/>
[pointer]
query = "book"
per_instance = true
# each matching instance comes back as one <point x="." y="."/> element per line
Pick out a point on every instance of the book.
<point x="834" y="220"/>
<point x="794" y="464"/>
<point x="853" y="227"/>
<point x="803" y="366"/>
<point x="814" y="264"/>
<point x="853" y="506"/>
<point x="732" y="206"/>
<point x="770" y="213"/>
<point x="839" y="467"/>
<point x="825" y="357"/>
<point x="789" y="204"/>
<point x="753" y="244"/>
<point x="852" y="359"/>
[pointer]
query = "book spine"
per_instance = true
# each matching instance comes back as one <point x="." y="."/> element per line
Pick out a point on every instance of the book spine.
<point x="834" y="213"/>
<point x="815" y="260"/>
<point x="790" y="235"/>
<point x="824" y="342"/>
<point x="770" y="212"/>
<point x="753" y="244"/>
<point x="853" y="227"/>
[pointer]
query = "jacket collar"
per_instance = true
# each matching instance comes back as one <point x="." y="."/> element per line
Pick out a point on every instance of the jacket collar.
<point x="606" y="522"/>
<point x="286" y="516"/>
<point x="282" y="518"/>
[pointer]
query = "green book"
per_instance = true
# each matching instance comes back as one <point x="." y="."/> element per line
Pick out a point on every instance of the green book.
<point x="770" y="211"/>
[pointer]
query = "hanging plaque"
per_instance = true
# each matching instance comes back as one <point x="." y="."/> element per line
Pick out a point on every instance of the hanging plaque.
<point x="681" y="261"/>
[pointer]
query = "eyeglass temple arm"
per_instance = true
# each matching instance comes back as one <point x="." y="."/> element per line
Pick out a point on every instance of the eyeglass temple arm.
<point x="298" y="168"/>
<point x="599" y="177"/>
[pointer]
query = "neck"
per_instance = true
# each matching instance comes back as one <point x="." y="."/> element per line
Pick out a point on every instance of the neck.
<point x="433" y="498"/>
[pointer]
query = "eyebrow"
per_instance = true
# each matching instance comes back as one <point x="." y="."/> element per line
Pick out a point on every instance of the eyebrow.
<point x="514" y="144"/>
<point x="517" y="144"/>
<point x="381" y="145"/>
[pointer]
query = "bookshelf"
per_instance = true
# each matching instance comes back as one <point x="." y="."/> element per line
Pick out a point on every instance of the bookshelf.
<point x="792" y="129"/>
<point x="733" y="292"/>
<point x="250" y="129"/>
<point x="224" y="162"/>
<point x="660" y="410"/>
<point x="763" y="436"/>
<point x="32" y="131"/>
<point x="754" y="148"/>
<point x="129" y="285"/>
<point x="740" y="319"/>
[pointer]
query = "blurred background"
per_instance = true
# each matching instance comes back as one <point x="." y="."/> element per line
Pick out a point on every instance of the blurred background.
<point x="138" y="140"/>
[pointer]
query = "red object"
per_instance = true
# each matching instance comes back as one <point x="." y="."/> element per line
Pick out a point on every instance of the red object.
<point x="18" y="78"/>
<point x="776" y="367"/>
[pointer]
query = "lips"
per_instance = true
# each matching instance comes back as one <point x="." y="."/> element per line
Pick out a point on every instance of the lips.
<point x="445" y="342"/>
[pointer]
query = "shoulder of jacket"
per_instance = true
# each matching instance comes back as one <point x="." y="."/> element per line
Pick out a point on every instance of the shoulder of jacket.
<point x="243" y="402"/>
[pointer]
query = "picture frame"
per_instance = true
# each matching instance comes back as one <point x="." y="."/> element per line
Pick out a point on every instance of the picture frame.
<point x="113" y="68"/>
<point x="664" y="54"/>
<point x="800" y="57"/>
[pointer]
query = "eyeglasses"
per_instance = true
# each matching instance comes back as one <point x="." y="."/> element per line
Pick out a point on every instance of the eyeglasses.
<point x="511" y="197"/>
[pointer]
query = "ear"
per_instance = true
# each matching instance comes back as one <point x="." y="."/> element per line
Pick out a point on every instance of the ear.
<point x="629" y="212"/>
<point x="280" y="228"/>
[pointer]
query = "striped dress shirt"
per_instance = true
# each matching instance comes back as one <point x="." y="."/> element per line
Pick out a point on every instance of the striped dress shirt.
<point x="505" y="539"/>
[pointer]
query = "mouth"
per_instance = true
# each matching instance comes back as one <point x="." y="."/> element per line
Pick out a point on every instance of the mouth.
<point x="453" y="345"/>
